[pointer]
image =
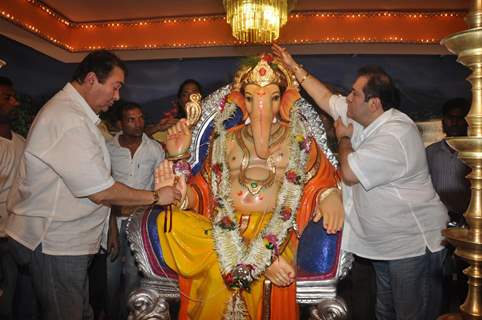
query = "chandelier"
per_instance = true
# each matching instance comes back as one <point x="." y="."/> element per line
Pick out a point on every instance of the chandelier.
<point x="256" y="21"/>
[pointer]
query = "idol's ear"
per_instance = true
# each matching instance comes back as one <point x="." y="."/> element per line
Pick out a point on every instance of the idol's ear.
<point x="238" y="99"/>
<point x="290" y="96"/>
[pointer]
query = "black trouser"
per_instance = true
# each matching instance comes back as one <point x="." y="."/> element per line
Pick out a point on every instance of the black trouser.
<point x="358" y="290"/>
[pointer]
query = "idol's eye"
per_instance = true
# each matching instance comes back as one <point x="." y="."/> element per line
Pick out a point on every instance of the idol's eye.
<point x="276" y="97"/>
<point x="249" y="99"/>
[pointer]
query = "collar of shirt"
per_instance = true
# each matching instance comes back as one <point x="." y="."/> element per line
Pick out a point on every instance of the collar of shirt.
<point x="377" y="123"/>
<point x="16" y="138"/>
<point x="115" y="140"/>
<point x="448" y="148"/>
<point x="84" y="106"/>
<point x="6" y="140"/>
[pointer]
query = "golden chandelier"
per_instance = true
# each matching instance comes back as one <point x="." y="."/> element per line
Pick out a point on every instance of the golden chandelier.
<point x="256" y="21"/>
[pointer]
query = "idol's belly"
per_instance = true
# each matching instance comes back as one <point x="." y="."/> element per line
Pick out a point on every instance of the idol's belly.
<point x="254" y="195"/>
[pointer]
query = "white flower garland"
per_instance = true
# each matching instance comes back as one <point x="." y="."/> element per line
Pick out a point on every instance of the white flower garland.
<point x="240" y="264"/>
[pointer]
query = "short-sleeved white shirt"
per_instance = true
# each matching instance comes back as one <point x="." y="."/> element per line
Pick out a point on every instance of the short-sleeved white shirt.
<point x="394" y="212"/>
<point x="10" y="152"/>
<point x="65" y="161"/>
<point x="135" y="171"/>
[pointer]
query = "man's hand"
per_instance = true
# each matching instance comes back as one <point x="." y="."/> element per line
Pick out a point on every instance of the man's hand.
<point x="168" y="195"/>
<point x="342" y="130"/>
<point x="178" y="139"/>
<point x="282" y="54"/>
<point x="332" y="212"/>
<point x="281" y="273"/>
<point x="113" y="243"/>
<point x="344" y="150"/>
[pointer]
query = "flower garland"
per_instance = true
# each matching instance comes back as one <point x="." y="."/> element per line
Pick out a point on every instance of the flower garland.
<point x="241" y="264"/>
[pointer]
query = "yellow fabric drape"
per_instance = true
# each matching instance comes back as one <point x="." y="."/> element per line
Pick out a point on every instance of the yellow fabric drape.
<point x="189" y="250"/>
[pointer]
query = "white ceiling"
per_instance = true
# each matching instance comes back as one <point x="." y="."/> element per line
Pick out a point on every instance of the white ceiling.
<point x="95" y="10"/>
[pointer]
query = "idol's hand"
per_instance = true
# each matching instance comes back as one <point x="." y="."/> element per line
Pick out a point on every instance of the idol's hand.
<point x="281" y="273"/>
<point x="178" y="139"/>
<point x="164" y="176"/>
<point x="181" y="186"/>
<point x="166" y="122"/>
<point x="330" y="208"/>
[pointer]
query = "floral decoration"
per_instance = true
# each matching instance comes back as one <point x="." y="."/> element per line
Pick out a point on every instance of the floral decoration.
<point x="227" y="223"/>
<point x="286" y="213"/>
<point x="293" y="177"/>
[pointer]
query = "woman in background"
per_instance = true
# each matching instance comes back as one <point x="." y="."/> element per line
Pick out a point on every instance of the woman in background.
<point x="158" y="131"/>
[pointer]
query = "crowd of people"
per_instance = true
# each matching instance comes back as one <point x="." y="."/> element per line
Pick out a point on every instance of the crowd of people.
<point x="66" y="192"/>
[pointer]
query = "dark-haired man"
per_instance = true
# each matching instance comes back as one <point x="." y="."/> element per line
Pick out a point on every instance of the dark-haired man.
<point x="393" y="214"/>
<point x="11" y="149"/>
<point x="447" y="170"/>
<point x="448" y="174"/>
<point x="134" y="156"/>
<point x="59" y="207"/>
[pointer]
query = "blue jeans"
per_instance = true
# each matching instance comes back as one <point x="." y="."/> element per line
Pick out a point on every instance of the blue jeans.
<point x="122" y="278"/>
<point x="60" y="282"/>
<point x="410" y="288"/>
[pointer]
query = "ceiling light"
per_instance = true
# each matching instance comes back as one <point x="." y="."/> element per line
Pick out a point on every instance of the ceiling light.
<point x="257" y="21"/>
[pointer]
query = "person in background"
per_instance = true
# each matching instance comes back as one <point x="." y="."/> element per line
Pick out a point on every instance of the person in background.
<point x="393" y="215"/>
<point x="11" y="149"/>
<point x="177" y="111"/>
<point x="446" y="169"/>
<point x="134" y="156"/>
<point x="59" y="206"/>
<point x="108" y="125"/>
<point x="448" y="174"/>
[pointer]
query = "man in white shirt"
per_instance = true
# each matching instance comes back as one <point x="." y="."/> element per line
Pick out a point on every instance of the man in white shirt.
<point x="134" y="156"/>
<point x="59" y="205"/>
<point x="11" y="149"/>
<point x="393" y="214"/>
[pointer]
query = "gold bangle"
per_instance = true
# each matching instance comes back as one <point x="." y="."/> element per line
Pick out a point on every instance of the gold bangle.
<point x="323" y="195"/>
<point x="184" y="155"/>
<point x="298" y="67"/>
<point x="304" y="78"/>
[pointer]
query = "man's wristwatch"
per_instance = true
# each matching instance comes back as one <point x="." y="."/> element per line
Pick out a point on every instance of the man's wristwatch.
<point x="155" y="195"/>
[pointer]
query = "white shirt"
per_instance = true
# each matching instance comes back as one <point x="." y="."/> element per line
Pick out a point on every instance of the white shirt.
<point x="394" y="212"/>
<point x="135" y="171"/>
<point x="66" y="160"/>
<point x="10" y="153"/>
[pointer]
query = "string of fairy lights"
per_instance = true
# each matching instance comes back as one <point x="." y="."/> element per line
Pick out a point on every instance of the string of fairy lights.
<point x="136" y="25"/>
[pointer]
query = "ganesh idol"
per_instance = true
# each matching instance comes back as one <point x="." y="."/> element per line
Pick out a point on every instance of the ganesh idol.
<point x="262" y="178"/>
